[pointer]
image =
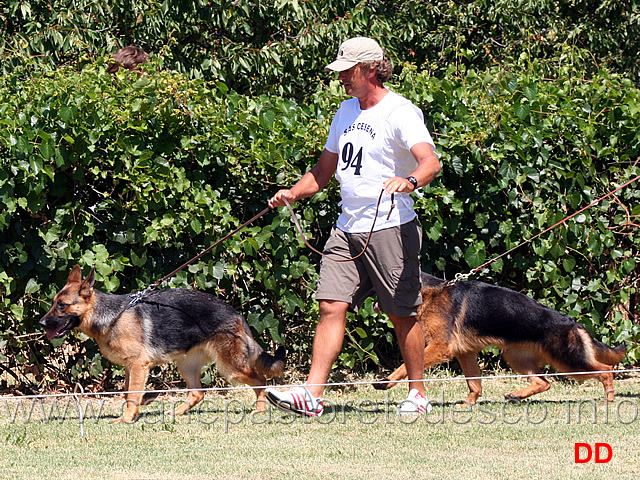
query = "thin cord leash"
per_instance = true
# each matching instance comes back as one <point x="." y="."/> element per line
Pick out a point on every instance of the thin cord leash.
<point x="138" y="295"/>
<point x="340" y="260"/>
<point x="465" y="276"/>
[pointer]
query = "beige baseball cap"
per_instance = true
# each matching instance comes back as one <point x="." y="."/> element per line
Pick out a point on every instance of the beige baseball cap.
<point x="354" y="51"/>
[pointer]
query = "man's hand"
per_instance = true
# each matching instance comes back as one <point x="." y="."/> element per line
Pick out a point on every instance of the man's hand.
<point x="277" y="199"/>
<point x="398" y="184"/>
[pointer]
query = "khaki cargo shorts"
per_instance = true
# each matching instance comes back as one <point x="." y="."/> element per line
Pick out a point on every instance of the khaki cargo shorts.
<point x="389" y="269"/>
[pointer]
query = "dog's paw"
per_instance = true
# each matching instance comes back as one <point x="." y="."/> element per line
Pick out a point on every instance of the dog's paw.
<point x="510" y="397"/>
<point x="381" y="385"/>
<point x="125" y="419"/>
<point x="149" y="397"/>
<point x="462" y="405"/>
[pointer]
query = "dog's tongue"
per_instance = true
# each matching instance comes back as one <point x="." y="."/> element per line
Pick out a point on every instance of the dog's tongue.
<point x="53" y="333"/>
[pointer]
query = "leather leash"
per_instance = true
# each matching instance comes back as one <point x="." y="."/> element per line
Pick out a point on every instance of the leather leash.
<point x="340" y="260"/>
<point x="465" y="276"/>
<point x="136" y="297"/>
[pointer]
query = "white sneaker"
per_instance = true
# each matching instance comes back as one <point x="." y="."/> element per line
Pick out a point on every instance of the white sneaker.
<point x="297" y="400"/>
<point x="415" y="404"/>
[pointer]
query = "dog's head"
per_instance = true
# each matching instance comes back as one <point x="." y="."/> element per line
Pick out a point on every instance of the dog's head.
<point x="70" y="304"/>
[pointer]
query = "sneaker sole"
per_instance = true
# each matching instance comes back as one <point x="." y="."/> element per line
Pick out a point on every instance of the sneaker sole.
<point x="286" y="407"/>
<point x="419" y="411"/>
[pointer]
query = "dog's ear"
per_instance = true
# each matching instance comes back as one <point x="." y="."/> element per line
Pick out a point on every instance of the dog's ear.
<point x="76" y="275"/>
<point x="86" y="289"/>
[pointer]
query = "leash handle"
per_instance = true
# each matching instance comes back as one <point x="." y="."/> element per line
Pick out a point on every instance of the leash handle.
<point x="339" y="260"/>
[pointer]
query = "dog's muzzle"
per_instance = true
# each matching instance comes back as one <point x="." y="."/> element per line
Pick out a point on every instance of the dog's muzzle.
<point x="57" y="327"/>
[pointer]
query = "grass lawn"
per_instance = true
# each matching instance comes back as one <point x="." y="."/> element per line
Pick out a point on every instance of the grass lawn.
<point x="359" y="437"/>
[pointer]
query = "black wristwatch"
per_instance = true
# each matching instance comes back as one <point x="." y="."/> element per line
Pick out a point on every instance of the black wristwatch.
<point x="413" y="182"/>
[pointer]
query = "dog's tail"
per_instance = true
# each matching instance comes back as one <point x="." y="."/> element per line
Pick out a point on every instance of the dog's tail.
<point x="608" y="355"/>
<point x="271" y="366"/>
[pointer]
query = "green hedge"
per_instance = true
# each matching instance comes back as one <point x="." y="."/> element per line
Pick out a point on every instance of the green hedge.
<point x="136" y="175"/>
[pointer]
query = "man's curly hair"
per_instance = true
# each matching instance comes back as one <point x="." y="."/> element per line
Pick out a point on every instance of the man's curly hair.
<point x="384" y="69"/>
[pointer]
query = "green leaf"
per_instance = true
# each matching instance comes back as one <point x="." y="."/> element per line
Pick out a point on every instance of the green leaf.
<point x="31" y="287"/>
<point x="291" y="303"/>
<point x="218" y="271"/>
<point x="569" y="263"/>
<point x="196" y="225"/>
<point x="17" y="312"/>
<point x="475" y="255"/>
<point x="222" y="87"/>
<point x="267" y="119"/>
<point x="522" y="110"/>
<point x="531" y="91"/>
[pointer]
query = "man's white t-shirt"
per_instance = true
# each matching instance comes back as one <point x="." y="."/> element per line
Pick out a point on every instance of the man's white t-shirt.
<point x="372" y="146"/>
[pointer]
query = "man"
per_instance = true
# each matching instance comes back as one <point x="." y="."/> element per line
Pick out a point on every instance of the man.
<point x="377" y="141"/>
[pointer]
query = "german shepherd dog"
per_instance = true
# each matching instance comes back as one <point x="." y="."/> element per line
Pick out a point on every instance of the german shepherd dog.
<point x="462" y="318"/>
<point x="189" y="327"/>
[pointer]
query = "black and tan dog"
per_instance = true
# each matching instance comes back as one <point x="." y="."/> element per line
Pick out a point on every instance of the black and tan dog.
<point x="189" y="327"/>
<point x="461" y="319"/>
